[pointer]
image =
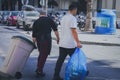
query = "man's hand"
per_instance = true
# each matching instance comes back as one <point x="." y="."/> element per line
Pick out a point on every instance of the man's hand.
<point x="58" y="41"/>
<point x="79" y="44"/>
<point x="34" y="40"/>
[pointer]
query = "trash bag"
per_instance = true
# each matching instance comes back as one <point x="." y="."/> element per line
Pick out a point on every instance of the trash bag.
<point x="76" y="68"/>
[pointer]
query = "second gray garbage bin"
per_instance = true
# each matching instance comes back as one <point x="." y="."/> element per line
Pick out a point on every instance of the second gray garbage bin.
<point x="19" y="51"/>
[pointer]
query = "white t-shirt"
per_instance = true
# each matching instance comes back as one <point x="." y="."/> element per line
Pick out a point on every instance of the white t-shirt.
<point x="66" y="38"/>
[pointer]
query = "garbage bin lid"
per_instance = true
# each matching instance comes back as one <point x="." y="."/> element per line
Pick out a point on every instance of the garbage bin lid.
<point x="23" y="38"/>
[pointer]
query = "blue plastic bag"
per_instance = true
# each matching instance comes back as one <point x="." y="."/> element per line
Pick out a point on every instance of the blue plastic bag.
<point x="76" y="68"/>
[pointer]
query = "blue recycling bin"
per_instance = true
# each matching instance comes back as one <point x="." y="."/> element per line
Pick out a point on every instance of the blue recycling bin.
<point x="106" y="22"/>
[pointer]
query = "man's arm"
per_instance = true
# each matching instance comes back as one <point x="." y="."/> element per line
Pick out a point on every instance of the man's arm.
<point x="57" y="35"/>
<point x="75" y="35"/>
<point x="34" y="32"/>
<point x="54" y="27"/>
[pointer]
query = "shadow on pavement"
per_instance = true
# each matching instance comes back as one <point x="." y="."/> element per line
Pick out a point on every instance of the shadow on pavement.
<point x="102" y="70"/>
<point x="99" y="70"/>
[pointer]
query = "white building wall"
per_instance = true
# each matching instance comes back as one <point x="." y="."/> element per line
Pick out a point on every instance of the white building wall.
<point x="63" y="4"/>
<point x="107" y="4"/>
<point x="118" y="8"/>
<point x="118" y="5"/>
<point x="0" y="4"/>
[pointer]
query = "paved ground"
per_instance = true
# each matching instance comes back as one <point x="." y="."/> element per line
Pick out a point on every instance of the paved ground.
<point x="103" y="61"/>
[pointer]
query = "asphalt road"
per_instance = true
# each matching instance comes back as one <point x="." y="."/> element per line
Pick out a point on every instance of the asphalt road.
<point x="103" y="61"/>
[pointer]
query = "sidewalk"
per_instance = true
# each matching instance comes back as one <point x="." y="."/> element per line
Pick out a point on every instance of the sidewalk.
<point x="98" y="39"/>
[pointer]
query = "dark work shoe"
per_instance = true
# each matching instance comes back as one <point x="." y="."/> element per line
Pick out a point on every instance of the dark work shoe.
<point x="57" y="78"/>
<point x="40" y="74"/>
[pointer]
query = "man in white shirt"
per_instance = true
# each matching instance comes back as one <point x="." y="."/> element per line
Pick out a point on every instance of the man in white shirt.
<point x="68" y="39"/>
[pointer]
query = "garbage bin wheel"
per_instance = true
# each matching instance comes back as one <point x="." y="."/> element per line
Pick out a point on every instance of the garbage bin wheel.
<point x="18" y="75"/>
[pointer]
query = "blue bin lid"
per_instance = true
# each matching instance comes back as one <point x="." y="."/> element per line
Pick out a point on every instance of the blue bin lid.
<point x="25" y="39"/>
<point x="108" y="12"/>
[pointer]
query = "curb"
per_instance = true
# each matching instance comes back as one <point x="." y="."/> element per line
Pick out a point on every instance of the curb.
<point x="100" y="43"/>
<point x="96" y="43"/>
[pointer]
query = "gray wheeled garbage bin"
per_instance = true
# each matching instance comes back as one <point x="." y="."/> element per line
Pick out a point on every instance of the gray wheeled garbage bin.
<point x="19" y="51"/>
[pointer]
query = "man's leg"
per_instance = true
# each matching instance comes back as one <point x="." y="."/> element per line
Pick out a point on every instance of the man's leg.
<point x="62" y="56"/>
<point x="71" y="51"/>
<point x="41" y="61"/>
<point x="44" y="50"/>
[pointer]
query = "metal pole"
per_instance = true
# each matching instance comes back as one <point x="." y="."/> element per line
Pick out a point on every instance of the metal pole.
<point x="46" y="7"/>
<point x="0" y="4"/>
<point x="99" y="5"/>
<point x="114" y="4"/>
